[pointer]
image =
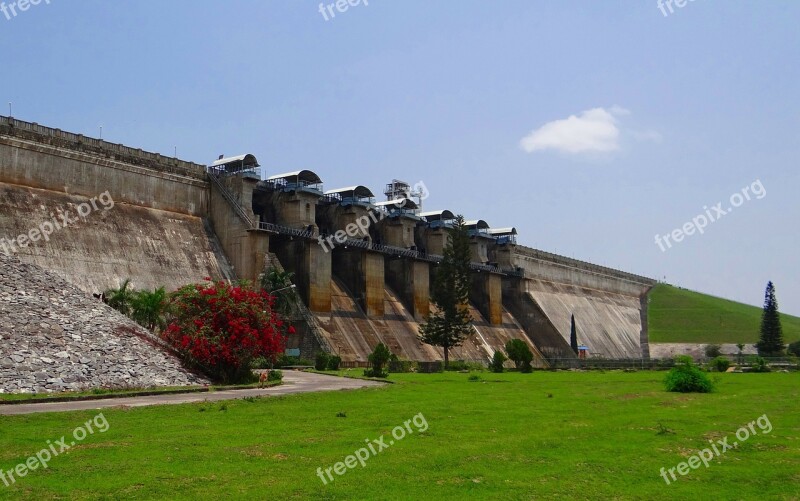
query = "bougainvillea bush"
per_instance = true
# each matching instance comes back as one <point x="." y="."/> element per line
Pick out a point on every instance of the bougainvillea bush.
<point x="219" y="329"/>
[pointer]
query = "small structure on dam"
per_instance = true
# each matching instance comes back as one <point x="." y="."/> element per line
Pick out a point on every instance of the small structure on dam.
<point x="362" y="267"/>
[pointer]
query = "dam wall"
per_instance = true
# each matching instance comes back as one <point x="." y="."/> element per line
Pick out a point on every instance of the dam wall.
<point x="174" y="222"/>
<point x="40" y="157"/>
<point x="610" y="306"/>
<point x="131" y="214"/>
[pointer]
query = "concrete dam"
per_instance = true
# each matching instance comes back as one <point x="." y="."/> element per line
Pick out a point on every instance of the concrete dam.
<point x="96" y="213"/>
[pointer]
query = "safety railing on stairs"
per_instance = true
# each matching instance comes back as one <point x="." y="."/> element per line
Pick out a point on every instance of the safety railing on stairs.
<point x="226" y="193"/>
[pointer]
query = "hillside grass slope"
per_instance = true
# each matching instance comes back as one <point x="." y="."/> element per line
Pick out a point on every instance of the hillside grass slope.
<point x="681" y="316"/>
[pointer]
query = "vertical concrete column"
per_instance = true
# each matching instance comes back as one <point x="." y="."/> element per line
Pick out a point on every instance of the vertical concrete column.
<point x="487" y="294"/>
<point x="259" y="249"/>
<point x="373" y="274"/>
<point x="421" y="291"/>
<point x="436" y="240"/>
<point x="399" y="232"/>
<point x="479" y="249"/>
<point x="503" y="255"/>
<point x="296" y="209"/>
<point x="317" y="264"/>
<point x="411" y="280"/>
<point x="311" y="266"/>
<point x="363" y="274"/>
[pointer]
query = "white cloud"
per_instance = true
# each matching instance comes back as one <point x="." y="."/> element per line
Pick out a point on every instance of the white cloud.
<point x="593" y="131"/>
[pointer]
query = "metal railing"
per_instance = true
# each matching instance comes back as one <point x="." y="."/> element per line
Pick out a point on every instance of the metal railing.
<point x="390" y="250"/>
<point x="226" y="193"/>
<point x="285" y="230"/>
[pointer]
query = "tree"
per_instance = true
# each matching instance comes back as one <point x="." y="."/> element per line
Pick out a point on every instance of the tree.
<point x="378" y="358"/>
<point x="713" y="350"/>
<point x="520" y="354"/>
<point x="573" y="336"/>
<point x="451" y="323"/>
<point x="497" y="362"/>
<point x="120" y="298"/>
<point x="147" y="308"/>
<point x="739" y="356"/>
<point x="220" y="329"/>
<point x="277" y="280"/>
<point x="771" y="341"/>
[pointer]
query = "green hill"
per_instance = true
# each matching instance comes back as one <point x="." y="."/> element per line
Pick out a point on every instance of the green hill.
<point x="681" y="316"/>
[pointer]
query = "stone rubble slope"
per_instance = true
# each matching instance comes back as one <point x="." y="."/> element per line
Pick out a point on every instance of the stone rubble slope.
<point x="54" y="337"/>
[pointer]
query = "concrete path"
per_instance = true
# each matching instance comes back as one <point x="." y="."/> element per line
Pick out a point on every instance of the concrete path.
<point x="293" y="382"/>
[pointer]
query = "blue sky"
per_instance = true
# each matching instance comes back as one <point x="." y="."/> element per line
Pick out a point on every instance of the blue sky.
<point x="590" y="126"/>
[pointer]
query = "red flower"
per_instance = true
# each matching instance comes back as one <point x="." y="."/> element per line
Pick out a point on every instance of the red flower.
<point x="219" y="328"/>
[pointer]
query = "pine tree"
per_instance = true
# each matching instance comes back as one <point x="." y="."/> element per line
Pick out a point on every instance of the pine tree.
<point x="451" y="323"/>
<point x="573" y="336"/>
<point x="771" y="342"/>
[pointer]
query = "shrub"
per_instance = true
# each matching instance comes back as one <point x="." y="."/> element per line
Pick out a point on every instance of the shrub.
<point x="334" y="362"/>
<point x="259" y="363"/>
<point x="720" y="364"/>
<point x="759" y="364"/>
<point x="497" y="362"/>
<point x="372" y="373"/>
<point x="713" y="350"/>
<point x="794" y="349"/>
<point x="474" y="378"/>
<point x="457" y="365"/>
<point x="147" y="308"/>
<point x="321" y="362"/>
<point x="686" y="377"/>
<point x="519" y="352"/>
<point x="219" y="329"/>
<point x="464" y="365"/>
<point x="275" y="375"/>
<point x="378" y="359"/>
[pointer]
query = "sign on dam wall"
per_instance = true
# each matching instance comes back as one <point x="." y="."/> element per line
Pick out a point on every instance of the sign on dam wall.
<point x="169" y="226"/>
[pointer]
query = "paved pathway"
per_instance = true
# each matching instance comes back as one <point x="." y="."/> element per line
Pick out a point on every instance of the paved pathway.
<point x="293" y="382"/>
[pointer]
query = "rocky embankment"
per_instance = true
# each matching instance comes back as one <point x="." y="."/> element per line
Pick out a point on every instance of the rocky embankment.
<point x="54" y="337"/>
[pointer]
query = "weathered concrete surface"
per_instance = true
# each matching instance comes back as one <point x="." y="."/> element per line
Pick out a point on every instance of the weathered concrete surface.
<point x="411" y="280"/>
<point x="362" y="272"/>
<point x="608" y="324"/>
<point x="293" y="382"/>
<point x="42" y="161"/>
<point x="54" y="337"/>
<point x="353" y="335"/>
<point x="695" y="350"/>
<point x="311" y="266"/>
<point x="543" y="265"/>
<point x="609" y="305"/>
<point x="152" y="247"/>
<point x="245" y="247"/>
<point x="535" y="322"/>
<point x="486" y="294"/>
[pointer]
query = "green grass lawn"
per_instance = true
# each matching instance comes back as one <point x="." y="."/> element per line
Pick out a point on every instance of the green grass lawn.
<point x="597" y="437"/>
<point x="681" y="316"/>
